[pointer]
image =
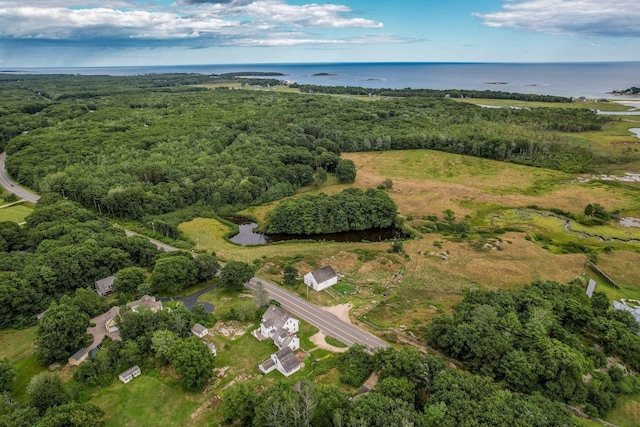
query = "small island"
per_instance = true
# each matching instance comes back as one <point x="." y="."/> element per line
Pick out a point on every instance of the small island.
<point x="633" y="90"/>
<point x="324" y="74"/>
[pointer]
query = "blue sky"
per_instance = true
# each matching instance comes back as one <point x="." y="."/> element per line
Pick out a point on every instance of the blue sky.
<point x="73" y="33"/>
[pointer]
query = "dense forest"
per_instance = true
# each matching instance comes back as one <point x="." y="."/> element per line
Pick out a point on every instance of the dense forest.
<point x="61" y="248"/>
<point x="141" y="146"/>
<point x="350" y="210"/>
<point x="546" y="338"/>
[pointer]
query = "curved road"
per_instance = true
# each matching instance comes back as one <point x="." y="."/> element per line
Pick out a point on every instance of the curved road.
<point x="11" y="186"/>
<point x="328" y="323"/>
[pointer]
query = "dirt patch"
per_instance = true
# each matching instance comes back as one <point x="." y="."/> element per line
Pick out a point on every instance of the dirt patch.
<point x="341" y="311"/>
<point x="319" y="340"/>
<point x="231" y="329"/>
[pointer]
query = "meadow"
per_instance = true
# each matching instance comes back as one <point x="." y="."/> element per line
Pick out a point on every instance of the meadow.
<point x="437" y="269"/>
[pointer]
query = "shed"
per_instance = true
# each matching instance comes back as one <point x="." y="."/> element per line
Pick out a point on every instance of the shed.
<point x="104" y="286"/>
<point x="321" y="278"/>
<point x="79" y="356"/>
<point x="199" y="330"/>
<point x="130" y="374"/>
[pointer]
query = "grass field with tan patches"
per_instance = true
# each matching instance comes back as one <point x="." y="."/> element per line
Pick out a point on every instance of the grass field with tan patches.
<point x="439" y="269"/>
<point x="427" y="182"/>
<point x="588" y="104"/>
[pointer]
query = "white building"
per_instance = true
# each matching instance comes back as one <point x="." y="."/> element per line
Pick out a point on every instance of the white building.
<point x="280" y="327"/>
<point x="321" y="278"/>
<point x="284" y="361"/>
<point x="199" y="330"/>
<point x="130" y="374"/>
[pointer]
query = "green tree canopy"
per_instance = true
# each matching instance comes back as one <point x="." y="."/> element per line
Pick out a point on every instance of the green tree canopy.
<point x="193" y="361"/>
<point x="235" y="274"/>
<point x="173" y="274"/>
<point x="61" y="332"/>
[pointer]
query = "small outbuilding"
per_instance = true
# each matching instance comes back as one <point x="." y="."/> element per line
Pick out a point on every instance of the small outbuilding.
<point x="130" y="374"/>
<point x="104" y="286"/>
<point x="591" y="287"/>
<point x="79" y="356"/>
<point x="199" y="330"/>
<point x="321" y="278"/>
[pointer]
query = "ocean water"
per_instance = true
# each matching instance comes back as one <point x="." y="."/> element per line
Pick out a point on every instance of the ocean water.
<point x="592" y="80"/>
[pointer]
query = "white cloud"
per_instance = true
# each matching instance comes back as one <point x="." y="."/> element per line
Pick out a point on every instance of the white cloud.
<point x="611" y="18"/>
<point x="219" y="22"/>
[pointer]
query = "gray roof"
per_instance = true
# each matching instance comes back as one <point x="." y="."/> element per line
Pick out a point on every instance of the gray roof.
<point x="198" y="329"/>
<point x="323" y="274"/>
<point x="146" y="301"/>
<point x="274" y="316"/>
<point x="78" y="354"/>
<point x="622" y="306"/>
<point x="287" y="359"/>
<point x="131" y="371"/>
<point x="104" y="285"/>
<point x="267" y="364"/>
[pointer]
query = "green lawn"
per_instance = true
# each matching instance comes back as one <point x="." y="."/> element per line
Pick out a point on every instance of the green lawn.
<point x="15" y="213"/>
<point x="148" y="401"/>
<point x="17" y="344"/>
<point x="26" y="368"/>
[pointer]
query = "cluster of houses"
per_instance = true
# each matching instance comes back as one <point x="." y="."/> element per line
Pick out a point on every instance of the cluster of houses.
<point x="276" y="325"/>
<point x="106" y="325"/>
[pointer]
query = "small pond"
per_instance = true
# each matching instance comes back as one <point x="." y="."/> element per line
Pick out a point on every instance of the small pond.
<point x="246" y="236"/>
<point x="636" y="131"/>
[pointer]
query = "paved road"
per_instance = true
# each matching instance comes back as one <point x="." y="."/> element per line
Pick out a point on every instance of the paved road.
<point x="11" y="186"/>
<point x="27" y="195"/>
<point x="328" y="323"/>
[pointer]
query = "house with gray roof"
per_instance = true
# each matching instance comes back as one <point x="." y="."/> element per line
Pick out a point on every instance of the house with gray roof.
<point x="321" y="278"/>
<point x="146" y="301"/>
<point x="280" y="327"/>
<point x="79" y="356"/>
<point x="285" y="361"/>
<point x="104" y="286"/>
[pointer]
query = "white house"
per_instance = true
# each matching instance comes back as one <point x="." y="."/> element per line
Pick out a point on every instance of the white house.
<point x="130" y="374"/>
<point x="321" y="278"/>
<point x="199" y="330"/>
<point x="280" y="327"/>
<point x="284" y="361"/>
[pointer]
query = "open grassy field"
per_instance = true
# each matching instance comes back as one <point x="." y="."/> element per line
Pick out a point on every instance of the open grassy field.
<point x="150" y="399"/>
<point x="626" y="412"/>
<point x="589" y="104"/>
<point x="427" y="182"/>
<point x="437" y="270"/>
<point x="15" y="213"/>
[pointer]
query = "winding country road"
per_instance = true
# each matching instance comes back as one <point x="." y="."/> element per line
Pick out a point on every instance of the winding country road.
<point x="328" y="323"/>
<point x="11" y="186"/>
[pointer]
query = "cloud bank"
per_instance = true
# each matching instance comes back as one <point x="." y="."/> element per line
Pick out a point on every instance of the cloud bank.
<point x="609" y="18"/>
<point x="196" y="22"/>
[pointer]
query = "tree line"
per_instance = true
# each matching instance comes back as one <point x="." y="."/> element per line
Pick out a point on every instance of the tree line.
<point x="349" y="210"/>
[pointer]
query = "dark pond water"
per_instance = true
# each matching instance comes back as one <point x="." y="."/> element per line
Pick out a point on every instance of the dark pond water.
<point x="246" y="236"/>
